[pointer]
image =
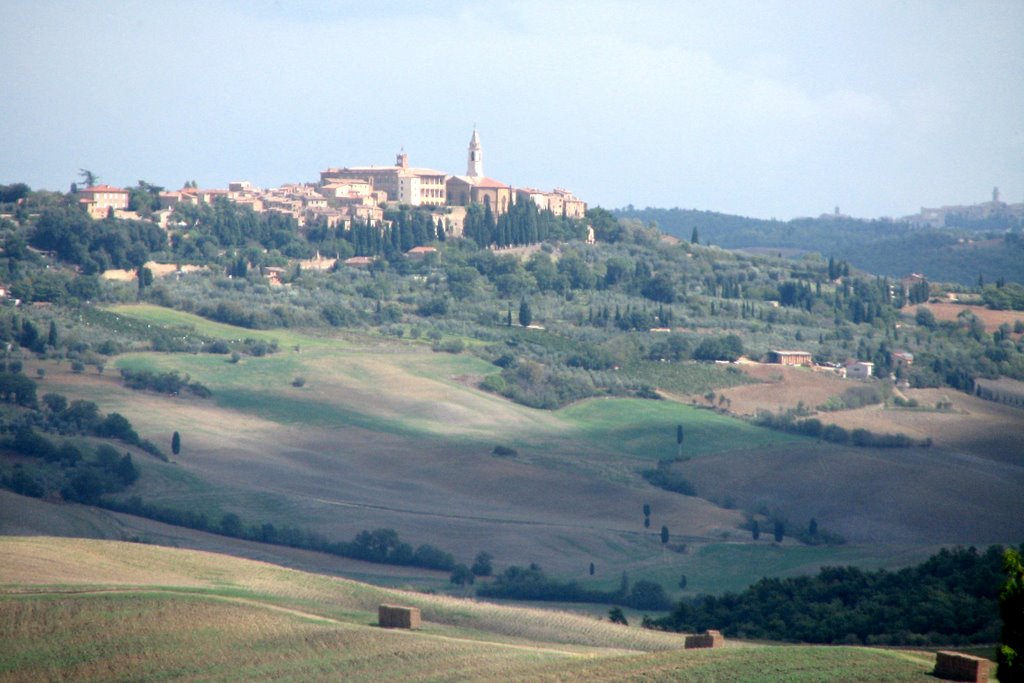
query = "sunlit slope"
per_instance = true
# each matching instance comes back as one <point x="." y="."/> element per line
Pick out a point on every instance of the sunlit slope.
<point x="389" y="434"/>
<point x="98" y="610"/>
<point x="402" y="388"/>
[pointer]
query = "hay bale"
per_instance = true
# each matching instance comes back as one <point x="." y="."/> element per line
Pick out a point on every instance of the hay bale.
<point x="709" y="639"/>
<point x="954" y="666"/>
<point x="396" y="616"/>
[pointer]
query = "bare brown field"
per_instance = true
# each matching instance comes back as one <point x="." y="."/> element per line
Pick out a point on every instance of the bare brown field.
<point x="158" y="270"/>
<point x="781" y="387"/>
<point x="948" y="312"/>
<point x="974" y="426"/>
<point x="885" y="497"/>
<point x="971" y="476"/>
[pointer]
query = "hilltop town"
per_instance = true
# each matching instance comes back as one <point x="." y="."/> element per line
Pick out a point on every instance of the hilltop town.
<point x="354" y="194"/>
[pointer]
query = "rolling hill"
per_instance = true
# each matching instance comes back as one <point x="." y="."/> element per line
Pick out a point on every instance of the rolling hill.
<point x="389" y="434"/>
<point x="95" y="610"/>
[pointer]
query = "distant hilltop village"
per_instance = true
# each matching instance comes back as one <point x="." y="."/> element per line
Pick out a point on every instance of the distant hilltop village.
<point x="951" y="215"/>
<point x="359" y="193"/>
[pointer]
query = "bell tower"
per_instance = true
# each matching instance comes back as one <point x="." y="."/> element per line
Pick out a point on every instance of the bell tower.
<point x="475" y="164"/>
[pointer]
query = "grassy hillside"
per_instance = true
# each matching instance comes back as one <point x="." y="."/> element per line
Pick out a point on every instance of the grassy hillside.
<point x="115" y="610"/>
<point x="387" y="433"/>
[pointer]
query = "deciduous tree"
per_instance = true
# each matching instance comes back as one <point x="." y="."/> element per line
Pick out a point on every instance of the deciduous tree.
<point x="462" y="576"/>
<point x="482" y="565"/>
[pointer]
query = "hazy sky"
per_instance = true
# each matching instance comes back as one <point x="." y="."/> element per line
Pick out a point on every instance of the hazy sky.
<point x="758" y="108"/>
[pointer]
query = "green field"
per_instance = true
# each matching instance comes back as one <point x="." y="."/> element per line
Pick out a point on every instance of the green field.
<point x="647" y="429"/>
<point x="125" y="611"/>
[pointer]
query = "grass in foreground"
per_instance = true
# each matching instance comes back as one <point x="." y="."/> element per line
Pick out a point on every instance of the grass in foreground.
<point x="104" y="610"/>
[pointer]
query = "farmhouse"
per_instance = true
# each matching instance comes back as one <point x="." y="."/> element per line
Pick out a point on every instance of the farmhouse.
<point x="359" y="261"/>
<point x="98" y="200"/>
<point x="779" y="357"/>
<point x="420" y="252"/>
<point x="860" y="369"/>
<point x="902" y="358"/>
<point x="274" y="274"/>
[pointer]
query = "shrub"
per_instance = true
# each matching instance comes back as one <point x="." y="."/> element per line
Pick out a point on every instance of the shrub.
<point x="452" y="345"/>
<point x="664" y="478"/>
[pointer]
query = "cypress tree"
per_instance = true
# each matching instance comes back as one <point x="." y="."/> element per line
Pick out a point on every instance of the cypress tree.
<point x="525" y="314"/>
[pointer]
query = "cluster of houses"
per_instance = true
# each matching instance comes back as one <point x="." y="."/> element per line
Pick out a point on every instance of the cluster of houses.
<point x="357" y="193"/>
<point x="996" y="208"/>
<point x="853" y="369"/>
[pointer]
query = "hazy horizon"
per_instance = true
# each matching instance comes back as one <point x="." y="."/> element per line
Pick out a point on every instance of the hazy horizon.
<point x="767" y="110"/>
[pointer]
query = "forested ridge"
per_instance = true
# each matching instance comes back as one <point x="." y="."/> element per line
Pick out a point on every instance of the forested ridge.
<point x="959" y="252"/>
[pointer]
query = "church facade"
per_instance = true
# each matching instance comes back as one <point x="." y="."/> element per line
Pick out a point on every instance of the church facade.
<point x="475" y="187"/>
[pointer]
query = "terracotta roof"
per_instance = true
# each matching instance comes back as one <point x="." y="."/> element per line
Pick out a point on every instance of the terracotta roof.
<point x="487" y="183"/>
<point x="104" y="188"/>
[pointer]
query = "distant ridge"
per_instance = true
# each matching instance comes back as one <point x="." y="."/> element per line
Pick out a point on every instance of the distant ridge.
<point x="991" y="248"/>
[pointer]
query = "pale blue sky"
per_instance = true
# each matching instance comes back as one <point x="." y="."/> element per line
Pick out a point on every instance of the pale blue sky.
<point x="759" y="108"/>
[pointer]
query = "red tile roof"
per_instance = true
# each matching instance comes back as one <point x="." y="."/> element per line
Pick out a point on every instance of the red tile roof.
<point x="489" y="183"/>
<point x="104" y="188"/>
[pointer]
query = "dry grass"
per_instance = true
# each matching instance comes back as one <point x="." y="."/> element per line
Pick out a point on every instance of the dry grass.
<point x="948" y="312"/>
<point x="144" y="637"/>
<point x="98" y="611"/>
<point x="780" y="388"/>
<point x="70" y="564"/>
<point x="158" y="270"/>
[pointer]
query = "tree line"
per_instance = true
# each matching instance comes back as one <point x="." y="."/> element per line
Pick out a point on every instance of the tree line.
<point x="532" y="583"/>
<point x="951" y="598"/>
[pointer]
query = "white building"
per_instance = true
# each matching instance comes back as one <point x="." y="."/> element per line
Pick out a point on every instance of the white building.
<point x="861" y="369"/>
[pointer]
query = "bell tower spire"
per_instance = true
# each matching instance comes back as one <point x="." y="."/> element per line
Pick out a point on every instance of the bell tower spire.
<point x="475" y="164"/>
